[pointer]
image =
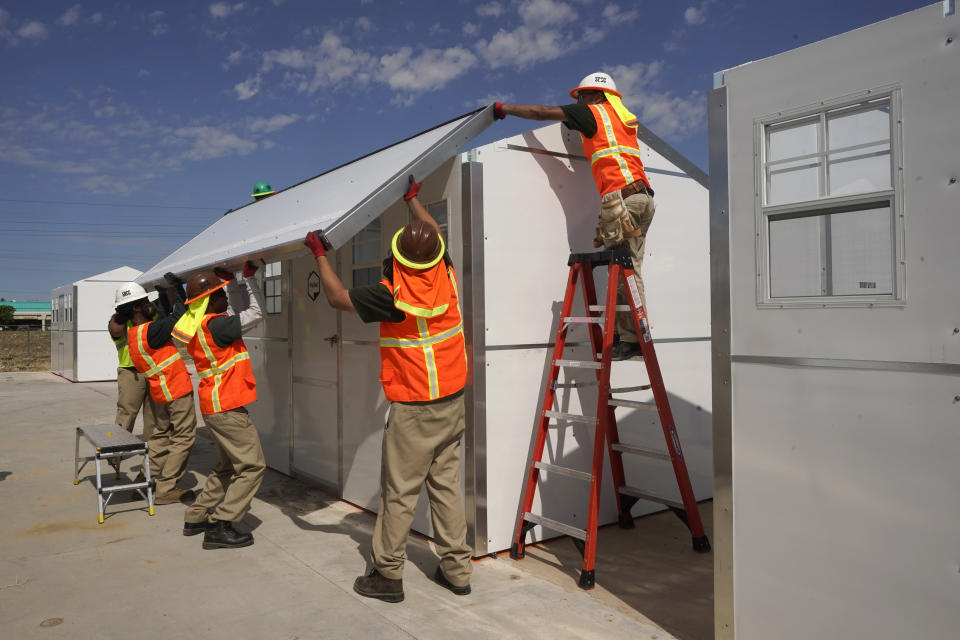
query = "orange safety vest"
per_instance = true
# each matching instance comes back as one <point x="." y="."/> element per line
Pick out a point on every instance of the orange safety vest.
<point x="226" y="375"/>
<point x="613" y="151"/>
<point x="424" y="356"/>
<point x="164" y="369"/>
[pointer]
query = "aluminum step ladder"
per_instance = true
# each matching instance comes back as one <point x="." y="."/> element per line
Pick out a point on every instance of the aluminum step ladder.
<point x="600" y="323"/>
<point x="112" y="443"/>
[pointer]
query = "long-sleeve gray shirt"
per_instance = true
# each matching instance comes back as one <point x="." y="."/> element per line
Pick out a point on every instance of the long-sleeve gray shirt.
<point x="244" y="313"/>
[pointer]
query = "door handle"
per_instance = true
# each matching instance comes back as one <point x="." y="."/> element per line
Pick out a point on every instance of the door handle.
<point x="333" y="340"/>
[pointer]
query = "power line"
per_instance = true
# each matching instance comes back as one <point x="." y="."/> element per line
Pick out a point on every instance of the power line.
<point x="122" y="223"/>
<point x="114" y="204"/>
<point x="98" y="234"/>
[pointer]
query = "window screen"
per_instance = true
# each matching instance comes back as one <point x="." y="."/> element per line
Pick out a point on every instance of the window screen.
<point x="365" y="255"/>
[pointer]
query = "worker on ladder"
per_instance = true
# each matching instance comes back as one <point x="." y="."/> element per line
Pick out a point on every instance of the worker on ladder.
<point x="609" y="133"/>
<point x="423" y="372"/>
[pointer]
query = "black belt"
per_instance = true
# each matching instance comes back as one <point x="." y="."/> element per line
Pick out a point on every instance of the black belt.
<point x="634" y="188"/>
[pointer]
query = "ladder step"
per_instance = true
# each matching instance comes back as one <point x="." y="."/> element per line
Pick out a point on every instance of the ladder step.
<point x="122" y="487"/>
<point x="582" y="364"/>
<point x="614" y="402"/>
<point x="646" y="495"/>
<point x="574" y="385"/>
<point x="640" y="451"/>
<point x="564" y="471"/>
<point x="570" y="417"/>
<point x="556" y="526"/>
<point x="600" y="307"/>
<point x="584" y="320"/>
<point x="644" y="387"/>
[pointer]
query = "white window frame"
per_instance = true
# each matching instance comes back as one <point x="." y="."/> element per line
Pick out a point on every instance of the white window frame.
<point x="273" y="272"/>
<point x="823" y="205"/>
<point x="358" y="266"/>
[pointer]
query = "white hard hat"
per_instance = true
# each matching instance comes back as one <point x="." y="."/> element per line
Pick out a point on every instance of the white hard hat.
<point x="130" y="292"/>
<point x="598" y="81"/>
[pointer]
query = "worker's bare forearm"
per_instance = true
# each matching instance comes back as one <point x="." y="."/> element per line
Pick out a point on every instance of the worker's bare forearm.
<point x="333" y="289"/>
<point x="419" y="212"/>
<point x="534" y="112"/>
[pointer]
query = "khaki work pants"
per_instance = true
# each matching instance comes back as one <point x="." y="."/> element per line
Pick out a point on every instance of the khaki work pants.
<point x="173" y="437"/>
<point x="421" y="444"/>
<point x="235" y="479"/>
<point x="641" y="208"/>
<point x="132" y="394"/>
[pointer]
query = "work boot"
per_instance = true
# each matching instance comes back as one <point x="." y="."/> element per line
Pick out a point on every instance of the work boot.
<point x="175" y="495"/>
<point x="441" y="580"/>
<point x="379" y="587"/>
<point x="222" y="535"/>
<point x="626" y="351"/>
<point x="193" y="528"/>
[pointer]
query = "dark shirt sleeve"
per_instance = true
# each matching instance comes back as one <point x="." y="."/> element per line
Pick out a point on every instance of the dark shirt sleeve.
<point x="225" y="330"/>
<point x="580" y="118"/>
<point x="158" y="333"/>
<point x="375" y="304"/>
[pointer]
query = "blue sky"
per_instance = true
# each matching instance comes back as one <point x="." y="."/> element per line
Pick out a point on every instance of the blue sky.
<point x="126" y="128"/>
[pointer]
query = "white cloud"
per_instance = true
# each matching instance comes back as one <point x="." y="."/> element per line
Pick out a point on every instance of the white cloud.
<point x="327" y="65"/>
<point x="364" y="23"/>
<point x="614" y="13"/>
<point x="490" y="98"/>
<point x="695" y="15"/>
<point x="224" y="9"/>
<point x="32" y="30"/>
<point x="96" y="18"/>
<point x="490" y="10"/>
<point x="522" y="47"/>
<point x="470" y="29"/>
<point x="70" y="17"/>
<point x="537" y="14"/>
<point x="156" y="22"/>
<point x="233" y="58"/>
<point x="248" y="88"/>
<point x="272" y="124"/>
<point x="667" y="114"/>
<point x="428" y="70"/>
<point x="206" y="142"/>
<point x="143" y="73"/>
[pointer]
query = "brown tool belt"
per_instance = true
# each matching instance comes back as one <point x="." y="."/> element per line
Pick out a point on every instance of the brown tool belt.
<point x="636" y="187"/>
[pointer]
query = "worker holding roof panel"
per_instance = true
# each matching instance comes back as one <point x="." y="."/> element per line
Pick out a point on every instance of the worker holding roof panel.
<point x="423" y="372"/>
<point x="609" y="133"/>
<point x="131" y="386"/>
<point x="215" y="342"/>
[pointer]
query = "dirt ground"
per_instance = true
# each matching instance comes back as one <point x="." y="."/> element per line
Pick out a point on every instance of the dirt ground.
<point x="15" y="355"/>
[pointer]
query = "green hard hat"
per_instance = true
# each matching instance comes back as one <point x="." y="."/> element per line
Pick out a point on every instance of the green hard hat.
<point x="262" y="189"/>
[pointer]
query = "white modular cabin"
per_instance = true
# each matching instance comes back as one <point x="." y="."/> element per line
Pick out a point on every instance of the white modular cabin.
<point x="834" y="223"/>
<point x="512" y="211"/>
<point x="80" y="346"/>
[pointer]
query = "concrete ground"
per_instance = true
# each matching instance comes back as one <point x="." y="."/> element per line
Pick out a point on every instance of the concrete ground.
<point x="62" y="575"/>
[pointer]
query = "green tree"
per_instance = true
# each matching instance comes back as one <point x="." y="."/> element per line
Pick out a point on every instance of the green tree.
<point x="6" y="314"/>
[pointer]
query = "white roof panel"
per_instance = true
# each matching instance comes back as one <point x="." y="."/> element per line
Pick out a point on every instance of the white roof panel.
<point x="341" y="202"/>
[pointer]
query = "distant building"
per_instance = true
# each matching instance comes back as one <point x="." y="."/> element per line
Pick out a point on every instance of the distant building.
<point x="30" y="311"/>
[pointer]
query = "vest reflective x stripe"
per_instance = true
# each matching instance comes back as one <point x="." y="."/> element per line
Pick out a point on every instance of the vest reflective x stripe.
<point x="613" y="151"/>
<point x="123" y="351"/>
<point x="164" y="368"/>
<point x="226" y="374"/>
<point x="424" y="358"/>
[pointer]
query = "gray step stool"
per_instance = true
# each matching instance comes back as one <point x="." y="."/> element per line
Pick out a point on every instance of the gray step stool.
<point x="112" y="444"/>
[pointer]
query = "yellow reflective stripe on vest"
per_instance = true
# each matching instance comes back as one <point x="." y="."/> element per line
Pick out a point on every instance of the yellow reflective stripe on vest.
<point x="223" y="368"/>
<point x="163" y="365"/>
<point x="429" y="360"/>
<point x="404" y="343"/>
<point x="154" y="369"/>
<point x="215" y="395"/>
<point x="614" y="151"/>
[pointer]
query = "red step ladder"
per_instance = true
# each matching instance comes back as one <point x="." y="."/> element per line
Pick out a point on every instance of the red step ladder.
<point x="619" y="269"/>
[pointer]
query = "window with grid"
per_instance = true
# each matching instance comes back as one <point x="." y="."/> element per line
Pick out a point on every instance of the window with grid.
<point x="829" y="222"/>
<point x="365" y="255"/>
<point x="438" y="211"/>
<point x="273" y="287"/>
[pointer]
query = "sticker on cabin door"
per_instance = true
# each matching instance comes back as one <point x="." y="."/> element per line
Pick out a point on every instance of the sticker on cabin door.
<point x="313" y="285"/>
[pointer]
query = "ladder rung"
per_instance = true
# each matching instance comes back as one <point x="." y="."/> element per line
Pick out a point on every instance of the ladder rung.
<point x="634" y="404"/>
<point x="600" y="307"/>
<point x="582" y="364"/>
<point x="646" y="495"/>
<point x="574" y="385"/>
<point x="584" y="320"/>
<point x="564" y="471"/>
<point x="640" y="451"/>
<point x="556" y="526"/>
<point x="571" y="417"/>
<point x="644" y="387"/>
<point x="121" y="487"/>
